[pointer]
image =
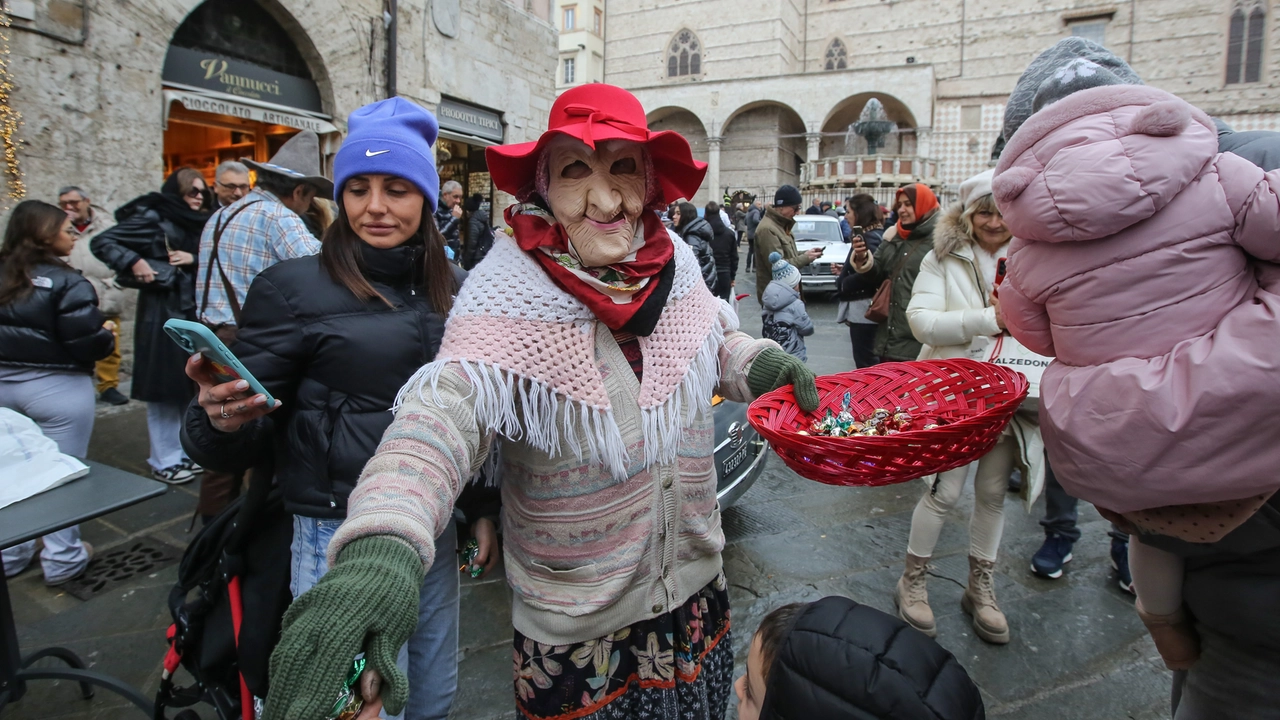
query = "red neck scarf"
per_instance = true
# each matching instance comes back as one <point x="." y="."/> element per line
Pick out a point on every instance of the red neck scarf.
<point x="924" y="202"/>
<point x="538" y="233"/>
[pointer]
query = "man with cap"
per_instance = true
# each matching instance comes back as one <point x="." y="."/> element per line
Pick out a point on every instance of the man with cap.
<point x="773" y="234"/>
<point x="245" y="238"/>
<point x="589" y="343"/>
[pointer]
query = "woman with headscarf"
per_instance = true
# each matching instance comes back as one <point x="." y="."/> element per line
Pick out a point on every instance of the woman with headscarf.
<point x="898" y="259"/>
<point x="596" y="368"/>
<point x="155" y="243"/>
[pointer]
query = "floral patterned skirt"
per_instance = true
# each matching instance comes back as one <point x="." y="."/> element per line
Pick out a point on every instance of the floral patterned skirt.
<point x="678" y="666"/>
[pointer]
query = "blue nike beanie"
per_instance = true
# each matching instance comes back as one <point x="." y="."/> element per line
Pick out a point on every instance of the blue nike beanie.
<point x="390" y="137"/>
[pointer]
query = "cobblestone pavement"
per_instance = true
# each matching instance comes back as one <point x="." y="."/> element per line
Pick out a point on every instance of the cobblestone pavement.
<point x="1078" y="649"/>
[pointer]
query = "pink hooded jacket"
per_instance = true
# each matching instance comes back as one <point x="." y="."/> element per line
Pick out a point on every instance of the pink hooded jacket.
<point x="1135" y="264"/>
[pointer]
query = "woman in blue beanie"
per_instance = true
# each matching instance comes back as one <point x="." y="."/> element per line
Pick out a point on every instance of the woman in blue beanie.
<point x="333" y="337"/>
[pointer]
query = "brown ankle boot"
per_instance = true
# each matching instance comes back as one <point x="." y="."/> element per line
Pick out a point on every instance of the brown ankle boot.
<point x="980" y="601"/>
<point x="1174" y="635"/>
<point x="912" y="598"/>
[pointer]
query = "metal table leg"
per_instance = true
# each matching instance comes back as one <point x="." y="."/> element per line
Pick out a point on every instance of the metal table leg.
<point x="14" y="670"/>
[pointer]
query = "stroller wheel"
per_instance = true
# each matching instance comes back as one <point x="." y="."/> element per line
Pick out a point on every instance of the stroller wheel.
<point x="187" y="715"/>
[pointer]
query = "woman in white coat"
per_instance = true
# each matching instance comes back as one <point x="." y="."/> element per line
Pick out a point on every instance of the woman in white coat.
<point x="953" y="313"/>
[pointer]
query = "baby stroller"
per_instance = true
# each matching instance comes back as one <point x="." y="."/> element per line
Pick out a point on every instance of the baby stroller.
<point x="232" y="592"/>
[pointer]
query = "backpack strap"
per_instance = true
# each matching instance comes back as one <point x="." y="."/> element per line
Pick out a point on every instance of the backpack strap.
<point x="214" y="259"/>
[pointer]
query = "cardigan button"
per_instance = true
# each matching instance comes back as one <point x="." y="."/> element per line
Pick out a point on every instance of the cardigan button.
<point x="666" y="482"/>
<point x="657" y="608"/>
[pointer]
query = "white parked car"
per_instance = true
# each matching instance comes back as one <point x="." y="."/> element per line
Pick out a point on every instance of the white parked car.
<point x="820" y="231"/>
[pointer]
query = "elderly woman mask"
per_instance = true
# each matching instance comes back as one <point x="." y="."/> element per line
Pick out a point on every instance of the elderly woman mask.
<point x="597" y="196"/>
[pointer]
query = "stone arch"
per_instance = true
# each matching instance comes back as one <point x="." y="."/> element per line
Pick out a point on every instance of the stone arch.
<point x="762" y="147"/>
<point x="268" y="18"/>
<point x="836" y="57"/>
<point x="689" y="126"/>
<point x="838" y="140"/>
<point x="684" y="54"/>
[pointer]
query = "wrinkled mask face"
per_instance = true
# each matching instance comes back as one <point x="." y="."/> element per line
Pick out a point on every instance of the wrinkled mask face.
<point x="597" y="195"/>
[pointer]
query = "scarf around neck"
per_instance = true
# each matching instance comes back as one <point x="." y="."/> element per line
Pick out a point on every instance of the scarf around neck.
<point x="624" y="296"/>
<point x="922" y="200"/>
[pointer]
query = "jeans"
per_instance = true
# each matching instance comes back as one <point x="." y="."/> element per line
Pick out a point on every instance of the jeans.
<point x="1060" y="510"/>
<point x="751" y="252"/>
<point x="164" y="428"/>
<point x="431" y="656"/>
<point x="62" y="405"/>
<point x="863" y="338"/>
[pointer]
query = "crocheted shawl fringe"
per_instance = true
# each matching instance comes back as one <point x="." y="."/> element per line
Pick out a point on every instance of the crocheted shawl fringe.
<point x="547" y="417"/>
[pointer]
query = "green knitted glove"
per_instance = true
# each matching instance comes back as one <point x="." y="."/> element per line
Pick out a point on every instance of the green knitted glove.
<point x="774" y="368"/>
<point x="368" y="601"/>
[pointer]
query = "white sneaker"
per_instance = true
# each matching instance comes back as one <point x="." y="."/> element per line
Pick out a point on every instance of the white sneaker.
<point x="173" y="475"/>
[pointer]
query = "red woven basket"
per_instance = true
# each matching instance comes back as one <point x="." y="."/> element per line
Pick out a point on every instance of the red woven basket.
<point x="977" y="398"/>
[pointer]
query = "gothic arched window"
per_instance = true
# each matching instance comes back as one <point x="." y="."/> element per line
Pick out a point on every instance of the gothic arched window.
<point x="837" y="57"/>
<point x="684" y="55"/>
<point x="1245" y="42"/>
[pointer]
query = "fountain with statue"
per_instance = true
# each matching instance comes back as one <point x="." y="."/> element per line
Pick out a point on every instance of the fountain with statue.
<point x="864" y="164"/>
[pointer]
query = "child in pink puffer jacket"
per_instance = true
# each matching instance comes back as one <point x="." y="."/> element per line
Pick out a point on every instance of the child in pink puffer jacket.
<point x="1142" y="261"/>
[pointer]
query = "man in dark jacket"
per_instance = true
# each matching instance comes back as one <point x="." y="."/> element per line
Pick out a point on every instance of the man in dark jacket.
<point x="773" y="234"/>
<point x="449" y="214"/>
<point x="837" y="660"/>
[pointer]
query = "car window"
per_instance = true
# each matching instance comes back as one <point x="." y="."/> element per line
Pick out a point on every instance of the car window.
<point x="817" y="230"/>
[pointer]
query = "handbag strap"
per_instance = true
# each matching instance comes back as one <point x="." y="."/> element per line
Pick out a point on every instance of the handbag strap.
<point x="903" y="262"/>
<point x="215" y="259"/>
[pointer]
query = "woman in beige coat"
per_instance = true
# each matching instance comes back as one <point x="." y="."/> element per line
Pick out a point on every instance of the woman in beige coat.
<point x="953" y="313"/>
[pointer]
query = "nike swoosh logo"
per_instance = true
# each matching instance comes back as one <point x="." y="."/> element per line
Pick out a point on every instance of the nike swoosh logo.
<point x="370" y="153"/>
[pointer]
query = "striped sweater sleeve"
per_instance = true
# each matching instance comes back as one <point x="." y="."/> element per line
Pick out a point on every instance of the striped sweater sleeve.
<point x="736" y="356"/>
<point x="409" y="486"/>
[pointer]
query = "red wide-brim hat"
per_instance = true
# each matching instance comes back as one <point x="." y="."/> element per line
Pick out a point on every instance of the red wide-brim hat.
<point x="593" y="113"/>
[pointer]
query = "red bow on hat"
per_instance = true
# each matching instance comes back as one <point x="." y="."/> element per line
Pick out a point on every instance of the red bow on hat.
<point x="593" y="113"/>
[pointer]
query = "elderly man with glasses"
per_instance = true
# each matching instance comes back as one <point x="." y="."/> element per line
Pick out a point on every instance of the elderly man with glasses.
<point x="231" y="182"/>
<point x="88" y="220"/>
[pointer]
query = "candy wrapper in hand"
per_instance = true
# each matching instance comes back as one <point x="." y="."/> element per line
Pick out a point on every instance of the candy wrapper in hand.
<point x="469" y="553"/>
<point x="349" y="702"/>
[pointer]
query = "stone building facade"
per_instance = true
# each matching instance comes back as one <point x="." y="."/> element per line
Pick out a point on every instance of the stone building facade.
<point x="90" y="89"/>
<point x="581" y="24"/>
<point x="778" y="85"/>
<point x="108" y="106"/>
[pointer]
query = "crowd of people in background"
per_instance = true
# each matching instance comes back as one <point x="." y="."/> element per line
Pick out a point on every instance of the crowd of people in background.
<point x="307" y="290"/>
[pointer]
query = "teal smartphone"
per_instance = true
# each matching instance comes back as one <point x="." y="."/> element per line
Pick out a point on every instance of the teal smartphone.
<point x="194" y="337"/>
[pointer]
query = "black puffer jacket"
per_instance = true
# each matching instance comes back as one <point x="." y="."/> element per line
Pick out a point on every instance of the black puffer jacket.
<point x="336" y="362"/>
<point x="845" y="661"/>
<point x="852" y="286"/>
<point x="697" y="234"/>
<point x="57" y="326"/>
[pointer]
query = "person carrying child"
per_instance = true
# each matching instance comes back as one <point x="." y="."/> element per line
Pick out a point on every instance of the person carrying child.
<point x="1143" y="261"/>
<point x="786" y="322"/>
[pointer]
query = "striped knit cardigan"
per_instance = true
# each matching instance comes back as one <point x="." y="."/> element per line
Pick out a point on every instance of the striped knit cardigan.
<point x="609" y="483"/>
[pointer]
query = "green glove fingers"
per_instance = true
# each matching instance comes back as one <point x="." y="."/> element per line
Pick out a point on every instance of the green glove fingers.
<point x="367" y="602"/>
<point x="381" y="654"/>
<point x="774" y="368"/>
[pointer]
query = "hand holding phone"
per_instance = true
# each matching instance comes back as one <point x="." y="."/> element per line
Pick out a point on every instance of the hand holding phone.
<point x="228" y="392"/>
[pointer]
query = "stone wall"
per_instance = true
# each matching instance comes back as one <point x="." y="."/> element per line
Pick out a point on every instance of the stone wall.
<point x="92" y="111"/>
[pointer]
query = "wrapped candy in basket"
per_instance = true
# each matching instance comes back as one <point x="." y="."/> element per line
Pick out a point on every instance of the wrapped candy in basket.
<point x="893" y="422"/>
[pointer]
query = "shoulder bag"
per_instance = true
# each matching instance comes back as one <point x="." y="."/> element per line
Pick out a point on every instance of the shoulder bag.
<point x="878" y="312"/>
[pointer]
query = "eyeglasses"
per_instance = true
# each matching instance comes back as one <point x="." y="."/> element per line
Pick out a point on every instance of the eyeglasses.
<point x="195" y="193"/>
<point x="243" y="187"/>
